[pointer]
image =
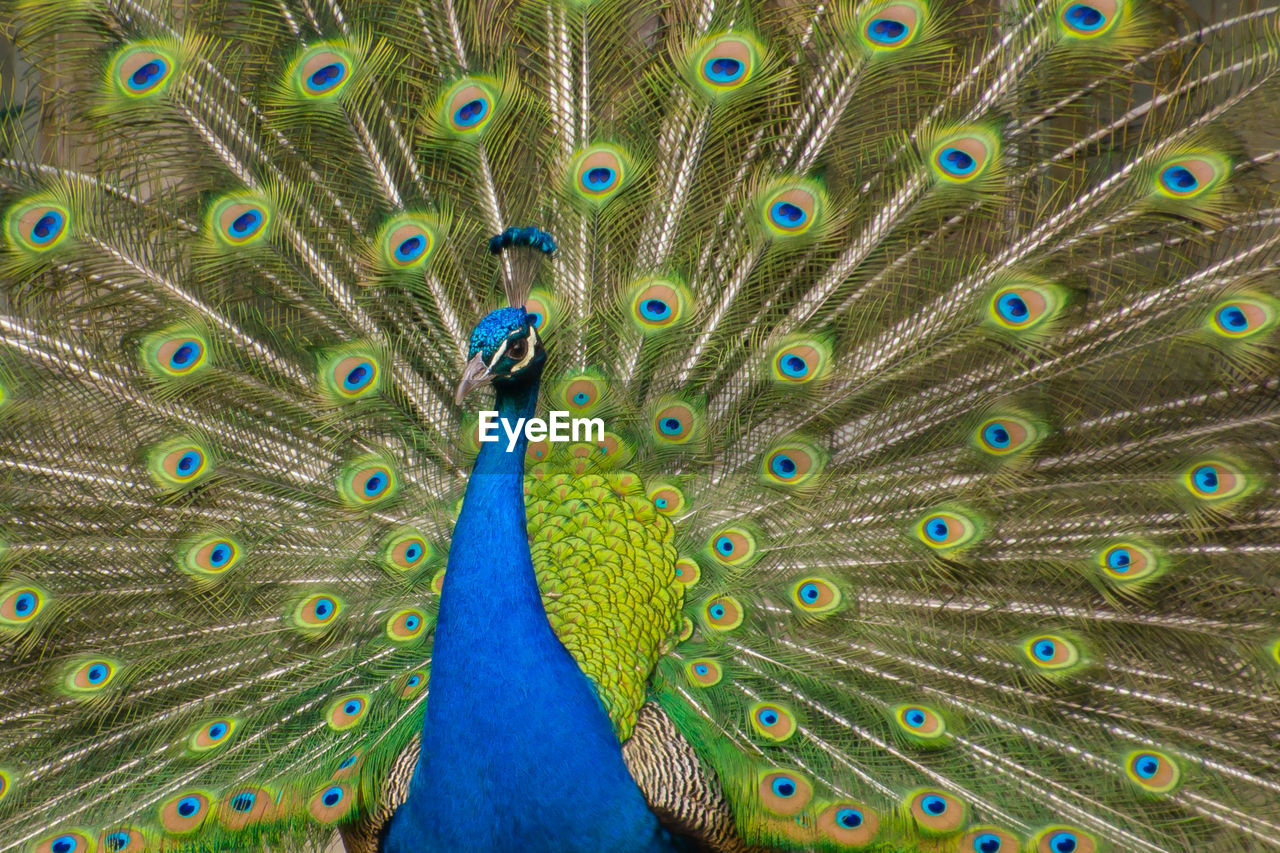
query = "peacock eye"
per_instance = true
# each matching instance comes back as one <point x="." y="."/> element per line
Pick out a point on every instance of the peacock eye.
<point x="518" y="349"/>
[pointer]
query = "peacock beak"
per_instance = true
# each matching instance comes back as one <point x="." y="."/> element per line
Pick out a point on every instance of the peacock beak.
<point x="476" y="374"/>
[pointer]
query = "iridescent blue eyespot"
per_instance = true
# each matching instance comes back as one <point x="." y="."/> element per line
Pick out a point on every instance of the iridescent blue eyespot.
<point x="1013" y="308"/>
<point x="1146" y="765"/>
<point x="187" y="354"/>
<point x="97" y="673"/>
<point x="117" y="841"/>
<point x="768" y="717"/>
<point x="24" y="603"/>
<point x="787" y="215"/>
<point x="47" y="227"/>
<point x="849" y="818"/>
<point x="1206" y="478"/>
<point x="934" y="804"/>
<point x="1233" y="319"/>
<point x="358" y="376"/>
<point x="724" y="545"/>
<point x="244" y="801"/>
<point x="332" y="796"/>
<point x="670" y="426"/>
<point x="326" y="77"/>
<point x="793" y="366"/>
<point x="412" y="553"/>
<point x="914" y="717"/>
<point x="351" y="759"/>
<point x="471" y="113"/>
<point x="716" y="611"/>
<point x="655" y="310"/>
<point x="1118" y="560"/>
<point x="1045" y="649"/>
<point x="65" y="844"/>
<point x="784" y="787"/>
<point x="582" y="398"/>
<point x="220" y="555"/>
<point x="996" y="435"/>
<point x="148" y="74"/>
<point x="373" y="485"/>
<point x="412" y="622"/>
<point x="701" y="668"/>
<point x="217" y="731"/>
<point x="414" y="680"/>
<point x="188" y="806"/>
<point x="599" y="178"/>
<point x="987" y="843"/>
<point x="956" y="162"/>
<point x="410" y="250"/>
<point x="352" y="707"/>
<point x="723" y="69"/>
<point x="246" y="223"/>
<point x="783" y="466"/>
<point x="886" y="31"/>
<point x="1084" y="18"/>
<point x="1179" y="179"/>
<point x="1063" y="842"/>
<point x="324" y="606"/>
<point x="810" y="592"/>
<point x="937" y="530"/>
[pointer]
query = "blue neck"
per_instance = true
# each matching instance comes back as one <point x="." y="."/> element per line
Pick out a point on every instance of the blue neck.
<point x="517" y="752"/>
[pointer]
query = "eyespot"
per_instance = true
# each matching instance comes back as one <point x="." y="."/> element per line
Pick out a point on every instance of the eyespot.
<point x="406" y="550"/>
<point x="1126" y="562"/>
<point x="184" y="813"/>
<point x="317" y="612"/>
<point x="722" y="613"/>
<point x="346" y="712"/>
<point x="174" y="355"/>
<point x="988" y="839"/>
<point x="703" y="672"/>
<point x="367" y="482"/>
<point x="936" y="812"/>
<point x="37" y="226"/>
<point x="963" y="158"/>
<point x="141" y="70"/>
<point x="178" y="464"/>
<point x="791" y="465"/>
<point x="350" y="376"/>
<point x="72" y="841"/>
<point x="210" y="557"/>
<point x="540" y="310"/>
<point x="1063" y="839"/>
<point x="1189" y="177"/>
<point x="851" y="824"/>
<point x="1051" y="652"/>
<point x="1214" y="480"/>
<point x="920" y="722"/>
<point x="437" y="582"/>
<point x="1024" y="307"/>
<point x="600" y="172"/>
<point x="1153" y="771"/>
<point x="581" y="394"/>
<point x="468" y="107"/>
<point x="1242" y="318"/>
<point x="331" y="803"/>
<point x="90" y="677"/>
<point x="19" y="606"/>
<point x="322" y="72"/>
<point x="687" y="572"/>
<point x="773" y="721"/>
<point x="667" y="500"/>
<point x="800" y="362"/>
<point x="538" y="451"/>
<point x="1088" y="20"/>
<point x="892" y="26"/>
<point x="724" y="63"/>
<point x="733" y="546"/>
<point x="211" y="735"/>
<point x="1005" y="435"/>
<point x="245" y="806"/>
<point x="674" y="424"/>
<point x="406" y="625"/>
<point x="185" y="463"/>
<point x="239" y="220"/>
<point x="412" y="684"/>
<point x="816" y="595"/>
<point x="792" y="210"/>
<point x="123" y="839"/>
<point x="658" y="304"/>
<point x="6" y="784"/>
<point x="946" y="530"/>
<point x="783" y="792"/>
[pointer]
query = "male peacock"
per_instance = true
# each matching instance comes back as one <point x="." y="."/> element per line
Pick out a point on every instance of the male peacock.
<point x="936" y="347"/>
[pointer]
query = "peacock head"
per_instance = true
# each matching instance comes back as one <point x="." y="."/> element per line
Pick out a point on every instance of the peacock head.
<point x="504" y="349"/>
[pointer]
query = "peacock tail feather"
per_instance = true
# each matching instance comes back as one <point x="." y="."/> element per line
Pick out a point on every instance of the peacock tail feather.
<point x="934" y="343"/>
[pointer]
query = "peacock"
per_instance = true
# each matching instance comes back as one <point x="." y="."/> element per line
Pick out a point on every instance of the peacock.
<point x="925" y="358"/>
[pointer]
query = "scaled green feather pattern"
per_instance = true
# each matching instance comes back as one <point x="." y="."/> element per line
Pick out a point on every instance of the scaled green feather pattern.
<point x="935" y="344"/>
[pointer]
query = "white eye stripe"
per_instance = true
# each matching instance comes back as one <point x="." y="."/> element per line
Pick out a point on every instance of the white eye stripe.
<point x="497" y="356"/>
<point x="520" y="365"/>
